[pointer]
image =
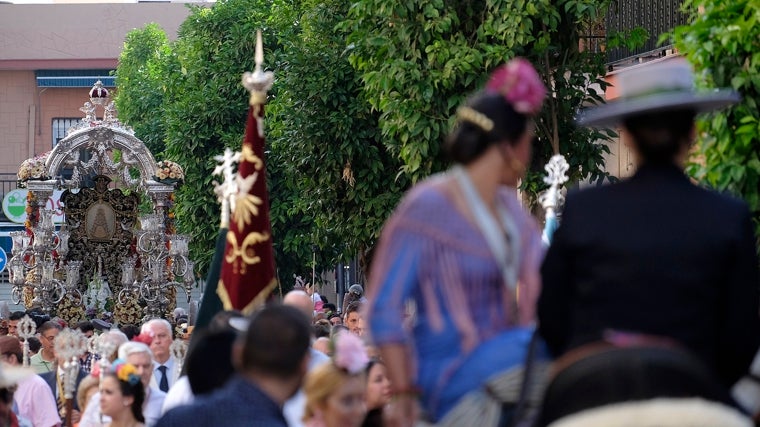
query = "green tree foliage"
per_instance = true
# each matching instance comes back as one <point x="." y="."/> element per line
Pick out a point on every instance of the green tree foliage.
<point x="143" y="65"/>
<point x="326" y="140"/>
<point x="348" y="128"/>
<point x="331" y="180"/>
<point x="420" y="59"/>
<point x="723" y="43"/>
<point x="201" y="104"/>
<point x="571" y="56"/>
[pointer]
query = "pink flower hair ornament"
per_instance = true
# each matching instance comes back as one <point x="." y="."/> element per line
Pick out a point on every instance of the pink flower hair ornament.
<point x="519" y="83"/>
<point x="349" y="353"/>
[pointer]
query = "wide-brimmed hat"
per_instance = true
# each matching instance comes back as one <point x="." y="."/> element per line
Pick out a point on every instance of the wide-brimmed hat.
<point x="663" y="86"/>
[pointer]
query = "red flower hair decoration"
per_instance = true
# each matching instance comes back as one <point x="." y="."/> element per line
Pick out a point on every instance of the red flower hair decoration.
<point x="145" y="338"/>
<point x="519" y="83"/>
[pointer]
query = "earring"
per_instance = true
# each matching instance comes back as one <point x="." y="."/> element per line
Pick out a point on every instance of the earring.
<point x="512" y="163"/>
<point x="517" y="166"/>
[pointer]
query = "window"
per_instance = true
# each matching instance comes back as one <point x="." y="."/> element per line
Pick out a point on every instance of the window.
<point x="60" y="126"/>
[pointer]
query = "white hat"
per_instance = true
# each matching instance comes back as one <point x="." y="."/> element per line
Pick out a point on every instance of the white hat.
<point x="356" y="289"/>
<point x="11" y="375"/>
<point x="663" y="86"/>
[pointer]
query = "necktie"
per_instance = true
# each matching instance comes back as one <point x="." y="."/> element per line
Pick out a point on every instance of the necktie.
<point x="164" y="384"/>
<point x="60" y="400"/>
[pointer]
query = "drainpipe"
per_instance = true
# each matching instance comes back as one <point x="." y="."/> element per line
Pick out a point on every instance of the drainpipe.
<point x="30" y="129"/>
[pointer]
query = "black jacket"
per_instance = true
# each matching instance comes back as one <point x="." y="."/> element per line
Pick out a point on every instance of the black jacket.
<point x="655" y="254"/>
<point x="50" y="379"/>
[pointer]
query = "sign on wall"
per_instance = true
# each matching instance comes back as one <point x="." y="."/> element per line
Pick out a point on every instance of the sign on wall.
<point x="14" y="205"/>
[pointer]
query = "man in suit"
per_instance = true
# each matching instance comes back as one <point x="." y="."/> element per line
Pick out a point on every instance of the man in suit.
<point x="655" y="255"/>
<point x="271" y="357"/>
<point x="166" y="369"/>
<point x="54" y="380"/>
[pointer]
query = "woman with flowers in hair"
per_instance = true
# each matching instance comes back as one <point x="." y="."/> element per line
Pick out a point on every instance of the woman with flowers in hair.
<point x="335" y="390"/>
<point x="122" y="395"/>
<point x="462" y="248"/>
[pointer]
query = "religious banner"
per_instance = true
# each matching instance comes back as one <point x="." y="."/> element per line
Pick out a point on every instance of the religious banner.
<point x="248" y="274"/>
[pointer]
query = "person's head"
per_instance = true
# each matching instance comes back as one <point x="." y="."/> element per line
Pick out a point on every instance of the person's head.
<point x="300" y="300"/>
<point x="138" y="355"/>
<point x="10" y="350"/>
<point x="498" y="121"/>
<point x="86" y="389"/>
<point x="87" y="328"/>
<point x="34" y="345"/>
<point x="356" y="290"/>
<point x="335" y="391"/>
<point x="209" y="360"/>
<point x="13" y="320"/>
<point x="335" y="319"/>
<point x="121" y="390"/>
<point x="329" y="309"/>
<point x="130" y="331"/>
<point x="378" y="385"/>
<point x="178" y="313"/>
<point x="47" y="333"/>
<point x="115" y="338"/>
<point x="354" y="320"/>
<point x="275" y="346"/>
<point x="662" y="137"/>
<point x="160" y="331"/>
<point x="322" y="328"/>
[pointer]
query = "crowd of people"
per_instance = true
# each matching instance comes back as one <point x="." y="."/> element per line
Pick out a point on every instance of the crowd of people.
<point x="257" y="368"/>
<point x="643" y="310"/>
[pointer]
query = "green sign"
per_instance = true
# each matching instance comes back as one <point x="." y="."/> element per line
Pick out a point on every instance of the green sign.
<point x="14" y="205"/>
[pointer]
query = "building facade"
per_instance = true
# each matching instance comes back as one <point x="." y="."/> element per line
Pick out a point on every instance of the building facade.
<point x="48" y="54"/>
<point x="50" y="57"/>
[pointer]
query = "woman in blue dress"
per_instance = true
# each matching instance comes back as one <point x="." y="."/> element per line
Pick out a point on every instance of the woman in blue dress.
<point x="463" y="251"/>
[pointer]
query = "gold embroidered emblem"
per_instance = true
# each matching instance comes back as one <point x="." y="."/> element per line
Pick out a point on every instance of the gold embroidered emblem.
<point x="249" y="156"/>
<point x="245" y="251"/>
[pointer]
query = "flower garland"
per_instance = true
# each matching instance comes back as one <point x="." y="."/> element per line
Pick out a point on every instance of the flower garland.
<point x="33" y="168"/>
<point x="129" y="313"/>
<point x="169" y="172"/>
<point x="70" y="310"/>
<point x="32" y="212"/>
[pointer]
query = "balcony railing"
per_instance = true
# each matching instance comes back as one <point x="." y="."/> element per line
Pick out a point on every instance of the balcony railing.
<point x="7" y="183"/>
<point x="656" y="16"/>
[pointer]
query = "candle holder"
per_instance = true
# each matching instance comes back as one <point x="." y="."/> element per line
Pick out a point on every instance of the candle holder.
<point x="38" y="264"/>
<point x="164" y="266"/>
<point x="26" y="329"/>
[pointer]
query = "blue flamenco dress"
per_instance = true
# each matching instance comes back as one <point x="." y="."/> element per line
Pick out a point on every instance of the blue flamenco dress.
<point x="468" y="324"/>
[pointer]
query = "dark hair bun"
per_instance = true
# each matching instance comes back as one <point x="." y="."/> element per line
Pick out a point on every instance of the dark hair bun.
<point x="469" y="140"/>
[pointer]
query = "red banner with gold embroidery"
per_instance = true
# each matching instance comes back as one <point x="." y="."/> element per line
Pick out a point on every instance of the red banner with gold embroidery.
<point x="248" y="274"/>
